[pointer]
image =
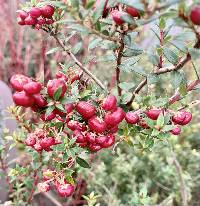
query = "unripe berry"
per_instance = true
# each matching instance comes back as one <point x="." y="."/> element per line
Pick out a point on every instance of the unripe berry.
<point x="195" y="15"/>
<point x="47" y="11"/>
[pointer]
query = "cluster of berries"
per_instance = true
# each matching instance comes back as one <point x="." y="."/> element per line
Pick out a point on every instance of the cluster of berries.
<point x="99" y="124"/>
<point x="116" y="14"/>
<point x="37" y="16"/>
<point x="178" y="119"/>
<point x="27" y="91"/>
<point x="61" y="185"/>
<point x="40" y="141"/>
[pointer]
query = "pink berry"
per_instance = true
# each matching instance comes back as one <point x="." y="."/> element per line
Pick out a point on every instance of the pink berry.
<point x="132" y="118"/>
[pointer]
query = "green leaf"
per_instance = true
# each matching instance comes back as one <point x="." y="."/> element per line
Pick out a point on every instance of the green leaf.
<point x="49" y="110"/>
<point x="77" y="48"/>
<point x="126" y="86"/>
<point x="177" y="78"/>
<point x="57" y="94"/>
<point x="168" y="128"/>
<point x="127" y="18"/>
<point x="82" y="162"/>
<point x="94" y="43"/>
<point x="170" y="55"/>
<point x="162" y="23"/>
<point x="60" y="107"/>
<point x="152" y="79"/>
<point x="99" y="10"/>
<point x="161" y="120"/>
<point x="133" y="3"/>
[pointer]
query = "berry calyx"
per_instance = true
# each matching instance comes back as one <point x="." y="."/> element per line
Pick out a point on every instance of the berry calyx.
<point x="54" y="85"/>
<point x="109" y="103"/>
<point x="195" y="15"/>
<point x="132" y="118"/>
<point x="85" y="109"/>
<point x="23" y="99"/>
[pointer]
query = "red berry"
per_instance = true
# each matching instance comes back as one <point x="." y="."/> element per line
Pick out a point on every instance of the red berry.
<point x="132" y="11"/>
<point x="47" y="142"/>
<point x="94" y="147"/>
<point x="41" y="21"/>
<point x="50" y="117"/>
<point x="21" y="22"/>
<point x="47" y="11"/>
<point x="54" y="85"/>
<point x="30" y="21"/>
<point x="72" y="125"/>
<point x="22" y="14"/>
<point x="38" y="147"/>
<point x="97" y="125"/>
<point x="80" y="127"/>
<point x="44" y="187"/>
<point x="109" y="141"/>
<point x="17" y="81"/>
<point x="114" y="118"/>
<point x="85" y="109"/>
<point x="132" y="118"/>
<point x="32" y="87"/>
<point x="69" y="108"/>
<point x="39" y="100"/>
<point x="23" y="99"/>
<point x="109" y="103"/>
<point x="91" y="137"/>
<point x="80" y="138"/>
<point x="101" y="139"/>
<point x="35" y="12"/>
<point x="30" y="140"/>
<point x="195" y="15"/>
<point x="113" y="129"/>
<point x="176" y="131"/>
<point x="188" y="118"/>
<point x="117" y="16"/>
<point x="153" y="113"/>
<point x="65" y="190"/>
<point x="182" y="118"/>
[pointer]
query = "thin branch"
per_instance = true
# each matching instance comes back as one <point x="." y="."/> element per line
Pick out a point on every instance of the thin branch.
<point x="84" y="69"/>
<point x="119" y="61"/>
<point x="183" y="190"/>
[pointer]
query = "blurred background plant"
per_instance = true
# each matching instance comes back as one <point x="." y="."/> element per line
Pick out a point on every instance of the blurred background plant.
<point x="125" y="176"/>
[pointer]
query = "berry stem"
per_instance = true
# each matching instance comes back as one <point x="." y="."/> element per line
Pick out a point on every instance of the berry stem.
<point x="84" y="69"/>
